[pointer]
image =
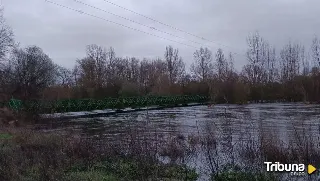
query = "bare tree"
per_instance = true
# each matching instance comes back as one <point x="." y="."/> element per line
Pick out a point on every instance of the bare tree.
<point x="271" y="65"/>
<point x="87" y="72"/>
<point x="131" y="72"/>
<point x="221" y="65"/>
<point x="6" y="38"/>
<point x="75" y="75"/>
<point x="98" y="55"/>
<point x="6" y="43"/>
<point x="231" y="62"/>
<point x="134" y="70"/>
<point x="256" y="55"/>
<point x="315" y="48"/>
<point x="64" y="76"/>
<point x="92" y="69"/>
<point x="158" y="69"/>
<point x="203" y="65"/>
<point x="111" y="66"/>
<point x="229" y="68"/>
<point x="153" y="76"/>
<point x="180" y="70"/>
<point x="144" y="74"/>
<point x="31" y="71"/>
<point x="305" y="63"/>
<point x="175" y="64"/>
<point x="159" y="78"/>
<point x="291" y="57"/>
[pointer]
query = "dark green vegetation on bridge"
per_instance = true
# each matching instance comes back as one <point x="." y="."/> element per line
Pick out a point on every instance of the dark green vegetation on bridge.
<point x="77" y="105"/>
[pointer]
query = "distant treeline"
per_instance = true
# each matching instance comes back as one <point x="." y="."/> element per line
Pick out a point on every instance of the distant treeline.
<point x="291" y="74"/>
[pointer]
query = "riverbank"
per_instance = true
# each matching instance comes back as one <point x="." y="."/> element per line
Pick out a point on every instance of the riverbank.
<point x="27" y="155"/>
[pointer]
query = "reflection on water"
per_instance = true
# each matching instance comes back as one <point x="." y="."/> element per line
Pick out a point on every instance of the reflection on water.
<point x="281" y="119"/>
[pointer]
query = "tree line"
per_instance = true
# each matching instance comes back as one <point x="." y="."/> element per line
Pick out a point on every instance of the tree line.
<point x="290" y="74"/>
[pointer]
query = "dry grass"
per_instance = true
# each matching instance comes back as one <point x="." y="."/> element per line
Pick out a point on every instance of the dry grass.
<point x="35" y="155"/>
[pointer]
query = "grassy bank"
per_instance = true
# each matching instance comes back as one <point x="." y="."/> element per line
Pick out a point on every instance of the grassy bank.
<point x="28" y="155"/>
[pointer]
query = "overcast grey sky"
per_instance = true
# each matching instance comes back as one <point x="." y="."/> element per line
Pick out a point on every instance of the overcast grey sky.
<point x="63" y="34"/>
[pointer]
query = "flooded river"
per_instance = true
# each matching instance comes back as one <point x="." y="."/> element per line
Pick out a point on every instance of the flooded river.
<point x="233" y="122"/>
<point x="281" y="119"/>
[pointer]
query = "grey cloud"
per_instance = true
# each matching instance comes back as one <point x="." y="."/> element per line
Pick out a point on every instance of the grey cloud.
<point x="63" y="34"/>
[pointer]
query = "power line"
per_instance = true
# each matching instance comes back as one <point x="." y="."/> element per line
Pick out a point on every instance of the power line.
<point x="82" y="12"/>
<point x="153" y="28"/>
<point x="165" y="24"/>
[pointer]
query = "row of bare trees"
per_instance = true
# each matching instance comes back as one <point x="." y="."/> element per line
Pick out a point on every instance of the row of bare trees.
<point x="289" y="75"/>
<point x="285" y="75"/>
<point x="292" y="74"/>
